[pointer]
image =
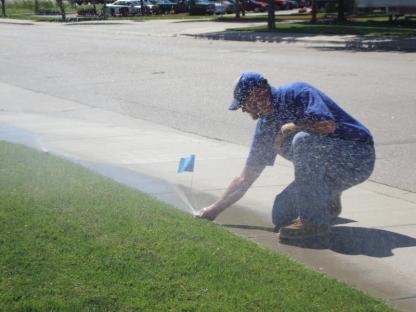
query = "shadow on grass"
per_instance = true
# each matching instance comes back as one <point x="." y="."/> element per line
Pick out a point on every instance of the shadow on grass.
<point x="358" y="241"/>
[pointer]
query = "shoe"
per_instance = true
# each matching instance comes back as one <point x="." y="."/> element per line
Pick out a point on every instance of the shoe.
<point x="302" y="229"/>
<point x="335" y="206"/>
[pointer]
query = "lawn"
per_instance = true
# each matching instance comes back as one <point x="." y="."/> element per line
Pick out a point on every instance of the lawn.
<point x="373" y="25"/>
<point x="71" y="240"/>
<point x="322" y="28"/>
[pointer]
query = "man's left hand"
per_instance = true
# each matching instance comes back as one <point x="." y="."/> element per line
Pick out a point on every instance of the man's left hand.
<point x="285" y="131"/>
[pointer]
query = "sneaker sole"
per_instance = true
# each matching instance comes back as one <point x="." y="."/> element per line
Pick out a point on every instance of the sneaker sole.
<point x="299" y="237"/>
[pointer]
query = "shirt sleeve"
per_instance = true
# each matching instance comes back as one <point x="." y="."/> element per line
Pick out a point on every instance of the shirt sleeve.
<point x="262" y="151"/>
<point x="314" y="105"/>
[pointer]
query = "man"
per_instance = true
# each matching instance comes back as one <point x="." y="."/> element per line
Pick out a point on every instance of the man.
<point x="330" y="150"/>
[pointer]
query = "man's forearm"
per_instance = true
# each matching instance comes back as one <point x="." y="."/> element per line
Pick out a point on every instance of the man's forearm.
<point x="320" y="127"/>
<point x="237" y="188"/>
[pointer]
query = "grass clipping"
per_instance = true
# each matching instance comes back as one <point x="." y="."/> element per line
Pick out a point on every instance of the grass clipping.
<point x="72" y="240"/>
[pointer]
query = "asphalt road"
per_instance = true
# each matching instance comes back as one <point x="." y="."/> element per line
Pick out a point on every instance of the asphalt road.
<point x="149" y="71"/>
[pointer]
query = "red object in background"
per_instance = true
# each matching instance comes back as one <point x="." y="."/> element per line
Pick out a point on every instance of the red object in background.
<point x="286" y="4"/>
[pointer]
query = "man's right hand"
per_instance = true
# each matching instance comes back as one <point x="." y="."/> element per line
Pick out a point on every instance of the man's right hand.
<point x="237" y="188"/>
<point x="209" y="213"/>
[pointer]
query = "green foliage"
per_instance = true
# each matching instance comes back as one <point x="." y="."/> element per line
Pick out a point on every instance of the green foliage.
<point x="71" y="240"/>
<point x="331" y="7"/>
<point x="44" y="6"/>
<point x="87" y="10"/>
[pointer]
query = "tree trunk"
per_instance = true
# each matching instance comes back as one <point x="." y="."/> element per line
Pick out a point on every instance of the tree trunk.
<point x="243" y="8"/>
<point x="104" y="10"/>
<point x="62" y="9"/>
<point x="271" y="17"/>
<point x="36" y="6"/>
<point x="314" y="11"/>
<point x="341" y="11"/>
<point x="237" y="9"/>
<point x="142" y="10"/>
<point x="94" y="6"/>
<point x="3" y="7"/>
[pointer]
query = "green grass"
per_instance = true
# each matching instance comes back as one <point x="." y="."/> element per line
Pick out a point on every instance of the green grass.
<point x="322" y="28"/>
<point x="25" y="11"/>
<point x="263" y="17"/>
<point x="373" y="25"/>
<point x="71" y="240"/>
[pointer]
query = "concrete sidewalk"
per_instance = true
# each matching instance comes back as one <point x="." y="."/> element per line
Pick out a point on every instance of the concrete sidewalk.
<point x="372" y="247"/>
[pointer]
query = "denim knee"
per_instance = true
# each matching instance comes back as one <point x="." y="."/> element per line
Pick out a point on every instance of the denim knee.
<point x="301" y="138"/>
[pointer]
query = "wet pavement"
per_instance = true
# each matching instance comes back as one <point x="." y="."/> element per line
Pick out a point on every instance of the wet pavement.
<point x="372" y="246"/>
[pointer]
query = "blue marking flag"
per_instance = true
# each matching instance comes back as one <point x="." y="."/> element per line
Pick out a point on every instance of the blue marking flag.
<point x="186" y="164"/>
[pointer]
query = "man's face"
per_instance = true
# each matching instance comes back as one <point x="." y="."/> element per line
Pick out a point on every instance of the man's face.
<point x="259" y="103"/>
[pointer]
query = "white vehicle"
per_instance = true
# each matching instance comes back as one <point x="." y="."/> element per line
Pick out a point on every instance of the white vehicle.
<point x="126" y="8"/>
<point x="218" y="8"/>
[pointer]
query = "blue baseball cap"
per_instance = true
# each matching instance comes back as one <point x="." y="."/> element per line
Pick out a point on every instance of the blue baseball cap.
<point x="243" y="87"/>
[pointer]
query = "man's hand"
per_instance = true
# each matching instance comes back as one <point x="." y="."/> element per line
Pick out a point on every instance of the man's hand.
<point x="319" y="127"/>
<point x="285" y="131"/>
<point x="235" y="190"/>
<point x="209" y="213"/>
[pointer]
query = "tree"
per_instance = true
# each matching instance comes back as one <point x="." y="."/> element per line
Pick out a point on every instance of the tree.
<point x="36" y="6"/>
<point x="3" y="7"/>
<point x="61" y="8"/>
<point x="243" y="7"/>
<point x="314" y="11"/>
<point x="104" y="10"/>
<point x="237" y="8"/>
<point x="341" y="11"/>
<point x="142" y="8"/>
<point x="271" y="17"/>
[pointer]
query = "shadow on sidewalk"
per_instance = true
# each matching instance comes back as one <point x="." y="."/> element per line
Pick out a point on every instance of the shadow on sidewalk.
<point x="361" y="44"/>
<point x="350" y="240"/>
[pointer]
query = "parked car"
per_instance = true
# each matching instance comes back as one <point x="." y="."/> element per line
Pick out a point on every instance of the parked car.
<point x="163" y="6"/>
<point x="302" y="3"/>
<point x="121" y="7"/>
<point x="148" y="6"/>
<point x="218" y="7"/>
<point x="229" y="6"/>
<point x="291" y="4"/>
<point x="282" y="4"/>
<point x="181" y="6"/>
<point x="125" y="8"/>
<point x="201" y="7"/>
<point x="256" y="6"/>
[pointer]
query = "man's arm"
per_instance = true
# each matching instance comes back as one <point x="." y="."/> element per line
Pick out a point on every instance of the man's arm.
<point x="236" y="189"/>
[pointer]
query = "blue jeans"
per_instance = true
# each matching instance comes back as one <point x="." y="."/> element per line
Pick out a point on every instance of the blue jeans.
<point x="324" y="167"/>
